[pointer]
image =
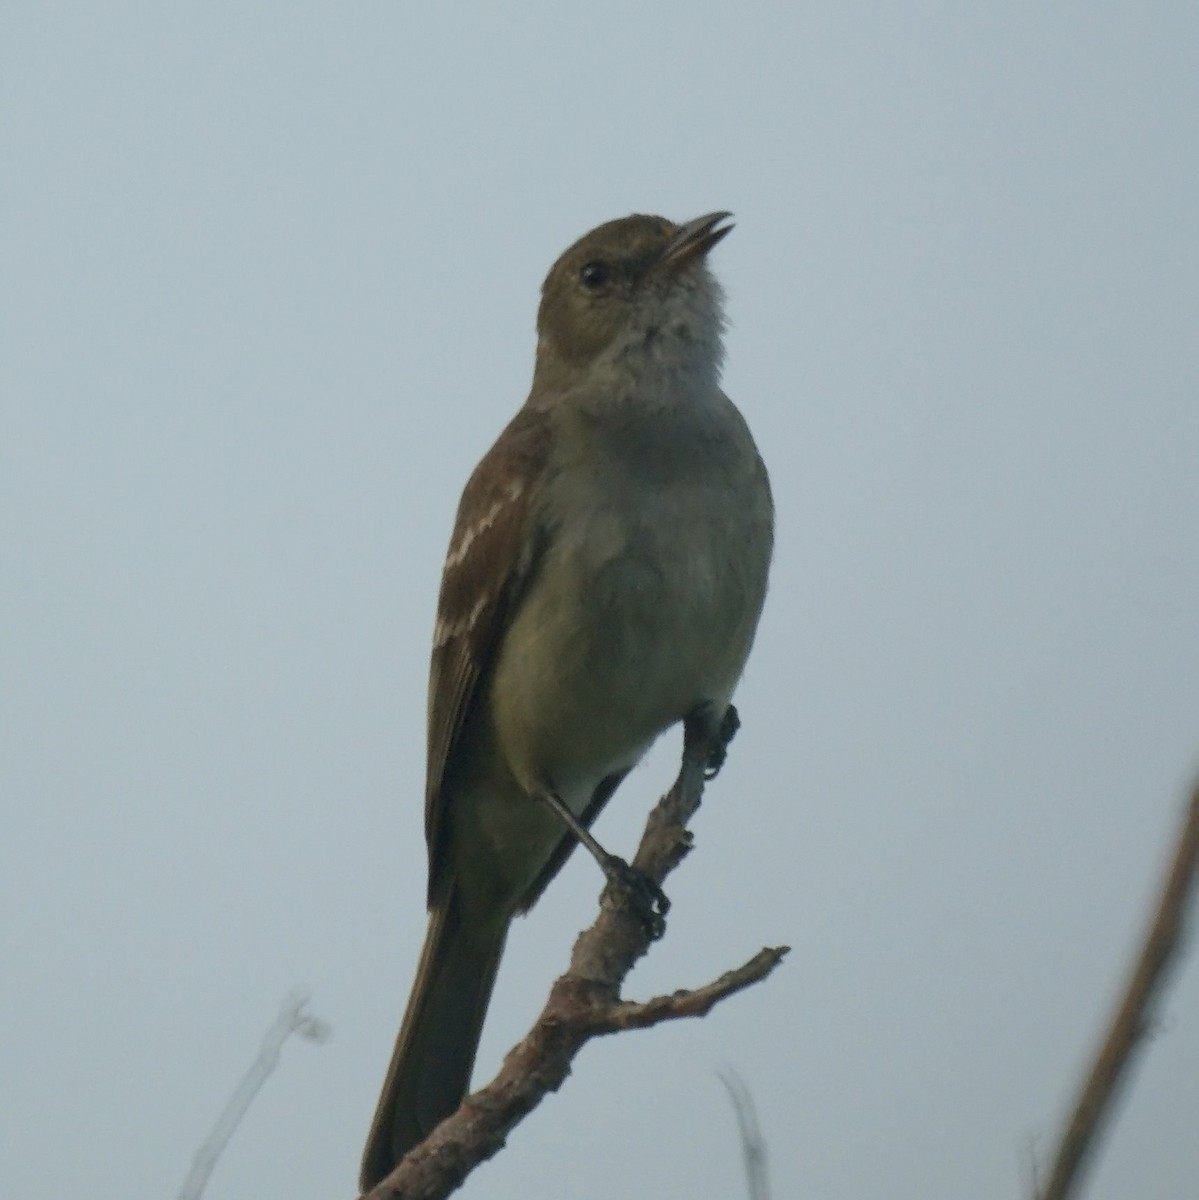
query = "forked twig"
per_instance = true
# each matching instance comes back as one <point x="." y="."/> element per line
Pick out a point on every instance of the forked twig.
<point x="584" y="1003"/>
<point x="291" y="1019"/>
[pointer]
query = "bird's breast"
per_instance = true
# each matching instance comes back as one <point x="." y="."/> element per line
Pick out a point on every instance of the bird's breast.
<point x="643" y="606"/>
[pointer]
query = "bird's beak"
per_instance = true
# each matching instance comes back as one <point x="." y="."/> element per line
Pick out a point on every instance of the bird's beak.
<point x="694" y="239"/>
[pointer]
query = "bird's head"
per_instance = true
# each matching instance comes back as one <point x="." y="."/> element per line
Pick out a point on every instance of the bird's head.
<point x="637" y="285"/>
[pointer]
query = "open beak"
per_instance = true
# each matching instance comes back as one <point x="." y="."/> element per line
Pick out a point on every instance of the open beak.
<point x="694" y="239"/>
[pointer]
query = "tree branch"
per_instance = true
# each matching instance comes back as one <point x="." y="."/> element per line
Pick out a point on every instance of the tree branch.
<point x="585" y="1002"/>
<point x="1132" y="1019"/>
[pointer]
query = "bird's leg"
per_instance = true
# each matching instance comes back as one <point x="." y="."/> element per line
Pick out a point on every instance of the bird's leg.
<point x="648" y="899"/>
<point x="708" y="733"/>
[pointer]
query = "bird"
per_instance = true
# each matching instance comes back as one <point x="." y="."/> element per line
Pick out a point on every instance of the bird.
<point x="604" y="579"/>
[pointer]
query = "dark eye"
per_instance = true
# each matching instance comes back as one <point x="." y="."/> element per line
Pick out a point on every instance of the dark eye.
<point x="594" y="275"/>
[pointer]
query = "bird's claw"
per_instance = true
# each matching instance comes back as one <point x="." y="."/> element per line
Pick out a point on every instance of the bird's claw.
<point x="715" y="735"/>
<point x="648" y="900"/>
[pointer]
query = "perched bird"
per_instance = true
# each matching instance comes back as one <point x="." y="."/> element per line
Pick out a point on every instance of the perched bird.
<point x="603" y="582"/>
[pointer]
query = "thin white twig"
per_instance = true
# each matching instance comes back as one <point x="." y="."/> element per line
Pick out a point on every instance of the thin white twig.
<point x="291" y="1019"/>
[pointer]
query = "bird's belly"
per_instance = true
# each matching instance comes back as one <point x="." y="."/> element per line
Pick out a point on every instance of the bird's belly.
<point x="621" y="647"/>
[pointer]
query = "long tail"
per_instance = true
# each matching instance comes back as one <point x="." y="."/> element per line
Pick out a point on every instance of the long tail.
<point x="435" y="1050"/>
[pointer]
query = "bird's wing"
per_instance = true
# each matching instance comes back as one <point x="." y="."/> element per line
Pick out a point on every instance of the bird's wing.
<point x="493" y="550"/>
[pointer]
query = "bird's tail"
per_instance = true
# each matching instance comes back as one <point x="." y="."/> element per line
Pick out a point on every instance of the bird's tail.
<point x="435" y="1050"/>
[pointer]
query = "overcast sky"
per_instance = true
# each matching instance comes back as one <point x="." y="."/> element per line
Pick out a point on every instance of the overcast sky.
<point x="269" y="275"/>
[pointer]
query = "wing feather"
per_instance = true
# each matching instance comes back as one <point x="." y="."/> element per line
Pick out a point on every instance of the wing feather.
<point x="491" y="556"/>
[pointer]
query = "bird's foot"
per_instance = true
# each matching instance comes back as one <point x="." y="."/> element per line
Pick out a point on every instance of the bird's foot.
<point x="649" y="902"/>
<point x="702" y="730"/>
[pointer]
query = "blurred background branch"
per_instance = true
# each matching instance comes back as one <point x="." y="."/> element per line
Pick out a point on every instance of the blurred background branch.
<point x="292" y="1018"/>
<point x="1133" y="1017"/>
<point x="753" y="1146"/>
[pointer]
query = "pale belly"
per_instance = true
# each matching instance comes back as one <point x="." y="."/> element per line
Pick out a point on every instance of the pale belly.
<point x="624" y="646"/>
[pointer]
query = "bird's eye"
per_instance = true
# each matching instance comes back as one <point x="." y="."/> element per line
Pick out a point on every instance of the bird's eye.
<point x="594" y="275"/>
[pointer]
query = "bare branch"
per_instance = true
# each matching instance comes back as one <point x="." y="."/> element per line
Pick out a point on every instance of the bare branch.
<point x="696" y="1002"/>
<point x="1132" y="1018"/>
<point x="584" y="1003"/>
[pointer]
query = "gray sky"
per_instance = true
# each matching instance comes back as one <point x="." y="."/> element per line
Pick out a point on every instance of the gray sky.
<point x="269" y="274"/>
